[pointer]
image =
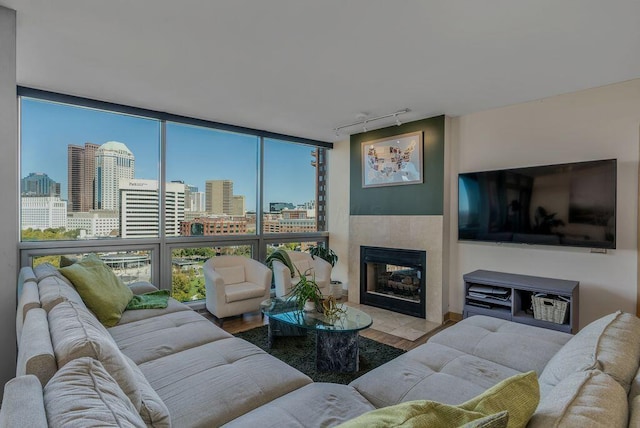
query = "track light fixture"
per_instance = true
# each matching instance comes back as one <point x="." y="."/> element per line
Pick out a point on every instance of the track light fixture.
<point x="364" y="120"/>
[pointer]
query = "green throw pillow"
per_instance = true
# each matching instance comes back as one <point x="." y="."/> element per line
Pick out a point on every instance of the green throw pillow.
<point x="67" y="261"/>
<point x="498" y="420"/>
<point x="100" y="289"/>
<point x="517" y="395"/>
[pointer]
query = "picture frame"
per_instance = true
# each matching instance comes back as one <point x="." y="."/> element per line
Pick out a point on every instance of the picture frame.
<point x="392" y="161"/>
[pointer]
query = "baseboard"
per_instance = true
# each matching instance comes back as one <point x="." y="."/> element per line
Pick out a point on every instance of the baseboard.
<point x="452" y="316"/>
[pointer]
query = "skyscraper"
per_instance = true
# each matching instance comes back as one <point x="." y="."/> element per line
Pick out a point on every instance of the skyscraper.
<point x="219" y="196"/>
<point x="238" y="205"/>
<point x="81" y="173"/>
<point x="39" y="184"/>
<point x="114" y="161"/>
<point x="139" y="210"/>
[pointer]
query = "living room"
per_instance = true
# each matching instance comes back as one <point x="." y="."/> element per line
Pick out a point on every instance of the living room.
<point x="587" y="119"/>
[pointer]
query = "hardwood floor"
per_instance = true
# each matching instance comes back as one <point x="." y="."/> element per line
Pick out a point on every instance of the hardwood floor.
<point x="248" y="321"/>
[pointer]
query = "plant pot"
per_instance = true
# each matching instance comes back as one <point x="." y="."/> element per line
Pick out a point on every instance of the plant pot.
<point x="336" y="289"/>
<point x="309" y="306"/>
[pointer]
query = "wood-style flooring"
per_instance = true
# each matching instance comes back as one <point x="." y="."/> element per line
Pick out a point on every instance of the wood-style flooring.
<point x="252" y="320"/>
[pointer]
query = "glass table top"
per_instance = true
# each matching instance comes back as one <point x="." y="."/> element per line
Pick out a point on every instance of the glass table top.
<point x="350" y="319"/>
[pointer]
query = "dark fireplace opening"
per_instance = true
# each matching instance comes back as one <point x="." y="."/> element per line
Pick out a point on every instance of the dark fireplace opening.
<point x="393" y="279"/>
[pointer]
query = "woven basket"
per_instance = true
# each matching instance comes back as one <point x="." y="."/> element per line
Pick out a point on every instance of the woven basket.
<point x="550" y="309"/>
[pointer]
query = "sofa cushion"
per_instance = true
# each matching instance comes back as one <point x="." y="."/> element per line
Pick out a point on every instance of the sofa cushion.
<point x="216" y="382"/>
<point x="45" y="270"/>
<point x="611" y="344"/>
<point x="583" y="399"/>
<point x="430" y="372"/>
<point x="54" y="290"/>
<point x="84" y="384"/>
<point x="231" y="274"/>
<point x="101" y="290"/>
<point x="76" y="333"/>
<point x="129" y="316"/>
<point x="153" y="411"/>
<point x="22" y="403"/>
<point x="28" y="299"/>
<point x="156" y="337"/>
<point x="518" y="395"/>
<point x="530" y="348"/>
<point x="315" y="405"/>
<point x="35" y="352"/>
<point x="634" y="400"/>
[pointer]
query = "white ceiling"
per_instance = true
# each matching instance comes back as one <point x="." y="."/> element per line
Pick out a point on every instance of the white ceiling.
<point x="304" y="67"/>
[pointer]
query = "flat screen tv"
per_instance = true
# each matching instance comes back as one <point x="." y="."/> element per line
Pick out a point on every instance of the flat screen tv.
<point x="571" y="204"/>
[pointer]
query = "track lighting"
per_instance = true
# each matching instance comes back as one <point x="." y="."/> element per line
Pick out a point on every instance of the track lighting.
<point x="364" y="120"/>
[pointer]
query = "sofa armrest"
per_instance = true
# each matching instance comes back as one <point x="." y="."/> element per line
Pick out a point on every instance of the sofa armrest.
<point x="257" y="273"/>
<point x="214" y="285"/>
<point x="23" y="403"/>
<point x="322" y="270"/>
<point x="35" y="351"/>
<point x="142" y="287"/>
<point x="29" y="299"/>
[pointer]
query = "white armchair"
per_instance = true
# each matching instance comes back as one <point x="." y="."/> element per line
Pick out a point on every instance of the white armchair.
<point x="235" y="285"/>
<point x="305" y="264"/>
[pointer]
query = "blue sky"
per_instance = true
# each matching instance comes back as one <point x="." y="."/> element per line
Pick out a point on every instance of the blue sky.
<point x="194" y="154"/>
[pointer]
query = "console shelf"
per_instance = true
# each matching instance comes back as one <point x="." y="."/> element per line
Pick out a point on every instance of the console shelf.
<point x="514" y="297"/>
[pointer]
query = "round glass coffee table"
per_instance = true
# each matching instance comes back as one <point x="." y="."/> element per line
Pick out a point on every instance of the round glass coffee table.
<point x="336" y="336"/>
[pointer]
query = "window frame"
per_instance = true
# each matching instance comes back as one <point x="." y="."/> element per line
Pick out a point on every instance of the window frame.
<point x="161" y="247"/>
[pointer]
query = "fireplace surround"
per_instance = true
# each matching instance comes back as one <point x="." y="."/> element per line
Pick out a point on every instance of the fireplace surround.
<point x="393" y="279"/>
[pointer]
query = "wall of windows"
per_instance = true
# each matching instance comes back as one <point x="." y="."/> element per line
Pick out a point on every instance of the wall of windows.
<point x="121" y="181"/>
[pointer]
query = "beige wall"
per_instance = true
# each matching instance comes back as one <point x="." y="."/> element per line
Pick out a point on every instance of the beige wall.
<point x="8" y="194"/>
<point x="598" y="123"/>
<point x="338" y="208"/>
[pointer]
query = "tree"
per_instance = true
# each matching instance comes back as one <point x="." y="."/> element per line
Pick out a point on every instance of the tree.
<point x="180" y="286"/>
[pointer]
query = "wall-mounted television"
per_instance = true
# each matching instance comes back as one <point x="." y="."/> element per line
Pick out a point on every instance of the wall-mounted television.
<point x="572" y="204"/>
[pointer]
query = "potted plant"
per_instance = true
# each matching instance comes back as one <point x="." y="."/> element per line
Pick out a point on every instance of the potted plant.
<point x="327" y="254"/>
<point x="324" y="253"/>
<point x="306" y="294"/>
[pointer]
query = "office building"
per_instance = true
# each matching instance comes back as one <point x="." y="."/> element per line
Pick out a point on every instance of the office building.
<point x="238" y="207"/>
<point x="39" y="184"/>
<point x="43" y="212"/>
<point x="81" y="174"/>
<point x="139" y="208"/>
<point x="219" y="196"/>
<point x="94" y="223"/>
<point x="114" y="162"/>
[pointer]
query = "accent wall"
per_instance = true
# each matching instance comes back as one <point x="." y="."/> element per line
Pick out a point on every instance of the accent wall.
<point x="425" y="198"/>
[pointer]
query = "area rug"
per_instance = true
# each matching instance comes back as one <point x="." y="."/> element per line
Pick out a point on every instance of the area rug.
<point x="299" y="352"/>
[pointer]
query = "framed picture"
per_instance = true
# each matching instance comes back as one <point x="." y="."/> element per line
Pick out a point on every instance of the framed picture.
<point x="392" y="161"/>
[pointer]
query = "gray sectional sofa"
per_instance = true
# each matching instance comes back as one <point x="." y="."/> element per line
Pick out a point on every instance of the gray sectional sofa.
<point x="172" y="367"/>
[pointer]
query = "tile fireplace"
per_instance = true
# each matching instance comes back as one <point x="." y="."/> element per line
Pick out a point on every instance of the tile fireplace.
<point x="394" y="279"/>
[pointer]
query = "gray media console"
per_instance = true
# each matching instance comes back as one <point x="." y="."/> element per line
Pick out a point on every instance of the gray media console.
<point x="509" y="296"/>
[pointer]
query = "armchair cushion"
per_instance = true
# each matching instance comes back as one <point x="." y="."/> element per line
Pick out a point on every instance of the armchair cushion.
<point x="232" y="274"/>
<point x="303" y="266"/>
<point x="243" y="291"/>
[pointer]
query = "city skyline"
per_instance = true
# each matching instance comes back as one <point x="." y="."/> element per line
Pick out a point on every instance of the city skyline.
<point x="194" y="155"/>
